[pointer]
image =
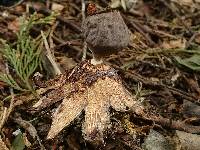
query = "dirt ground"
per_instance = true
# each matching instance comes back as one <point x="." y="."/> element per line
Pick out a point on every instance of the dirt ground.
<point x="159" y="67"/>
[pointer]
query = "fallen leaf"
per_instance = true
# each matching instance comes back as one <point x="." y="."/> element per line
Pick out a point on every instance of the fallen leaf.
<point x="192" y="62"/>
<point x="115" y="3"/>
<point x="66" y="63"/>
<point x="180" y="43"/>
<point x="190" y="109"/>
<point x="19" y="9"/>
<point x="57" y="7"/>
<point x="125" y="4"/>
<point x="36" y="5"/>
<point x="14" y="25"/>
<point x="197" y="39"/>
<point x="184" y="2"/>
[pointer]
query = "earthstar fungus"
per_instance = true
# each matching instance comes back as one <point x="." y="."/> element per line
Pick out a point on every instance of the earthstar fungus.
<point x="105" y="34"/>
<point x="92" y="88"/>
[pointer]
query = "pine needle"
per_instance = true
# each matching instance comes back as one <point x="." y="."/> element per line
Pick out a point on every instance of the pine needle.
<point x="24" y="57"/>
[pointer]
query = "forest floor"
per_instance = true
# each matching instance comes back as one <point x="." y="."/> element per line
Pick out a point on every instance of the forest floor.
<point x="160" y="67"/>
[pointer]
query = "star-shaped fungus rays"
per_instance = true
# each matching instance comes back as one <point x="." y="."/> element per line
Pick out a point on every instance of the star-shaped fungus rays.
<point x="94" y="89"/>
<point x="103" y="94"/>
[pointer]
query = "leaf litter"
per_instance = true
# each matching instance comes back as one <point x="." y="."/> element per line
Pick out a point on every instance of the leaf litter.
<point x="163" y="44"/>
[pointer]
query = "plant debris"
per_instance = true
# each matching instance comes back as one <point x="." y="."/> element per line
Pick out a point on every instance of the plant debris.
<point x="147" y="49"/>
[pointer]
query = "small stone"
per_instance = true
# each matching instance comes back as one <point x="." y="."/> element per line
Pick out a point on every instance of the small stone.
<point x="156" y="141"/>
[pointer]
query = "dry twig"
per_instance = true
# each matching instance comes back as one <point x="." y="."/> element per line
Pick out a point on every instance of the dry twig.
<point x="29" y="127"/>
<point x="8" y="111"/>
<point x="147" y="82"/>
<point x="83" y="18"/>
<point x="178" y="125"/>
<point x="50" y="56"/>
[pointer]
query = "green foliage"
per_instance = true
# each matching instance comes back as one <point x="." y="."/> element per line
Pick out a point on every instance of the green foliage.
<point x="189" y="58"/>
<point x="18" y="143"/>
<point x="192" y="62"/>
<point x="24" y="56"/>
